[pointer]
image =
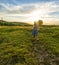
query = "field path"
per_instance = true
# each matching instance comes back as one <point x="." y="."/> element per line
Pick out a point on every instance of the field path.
<point x="43" y="55"/>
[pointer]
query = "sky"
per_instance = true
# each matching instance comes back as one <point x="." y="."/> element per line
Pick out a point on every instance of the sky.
<point x="30" y="11"/>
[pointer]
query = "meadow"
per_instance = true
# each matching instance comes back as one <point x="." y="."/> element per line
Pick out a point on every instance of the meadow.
<point x="18" y="47"/>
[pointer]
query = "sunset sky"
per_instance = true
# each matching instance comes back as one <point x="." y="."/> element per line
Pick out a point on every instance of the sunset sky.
<point x="30" y="10"/>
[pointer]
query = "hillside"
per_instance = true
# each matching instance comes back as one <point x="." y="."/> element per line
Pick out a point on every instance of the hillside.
<point x="5" y="23"/>
<point x="18" y="47"/>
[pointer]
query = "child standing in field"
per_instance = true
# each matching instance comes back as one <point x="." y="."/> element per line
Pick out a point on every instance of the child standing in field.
<point x="35" y="31"/>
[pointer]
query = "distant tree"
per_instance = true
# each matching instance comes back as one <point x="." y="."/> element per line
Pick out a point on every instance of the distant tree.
<point x="40" y="22"/>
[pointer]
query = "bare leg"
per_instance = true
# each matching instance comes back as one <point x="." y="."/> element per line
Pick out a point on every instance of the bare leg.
<point x="36" y="37"/>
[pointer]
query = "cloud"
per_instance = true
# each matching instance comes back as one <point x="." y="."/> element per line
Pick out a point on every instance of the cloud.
<point x="26" y="8"/>
<point x="17" y="9"/>
<point x="31" y="11"/>
<point x="11" y="8"/>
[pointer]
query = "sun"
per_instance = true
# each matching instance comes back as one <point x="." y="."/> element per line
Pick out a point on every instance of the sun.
<point x="36" y="15"/>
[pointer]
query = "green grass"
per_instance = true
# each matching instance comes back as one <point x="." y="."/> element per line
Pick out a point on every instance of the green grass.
<point x="16" y="44"/>
<point x="50" y="36"/>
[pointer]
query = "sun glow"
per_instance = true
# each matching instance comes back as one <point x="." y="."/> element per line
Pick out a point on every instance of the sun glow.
<point x="36" y="15"/>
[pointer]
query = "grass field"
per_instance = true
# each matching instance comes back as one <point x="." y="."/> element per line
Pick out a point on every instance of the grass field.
<point x="17" y="46"/>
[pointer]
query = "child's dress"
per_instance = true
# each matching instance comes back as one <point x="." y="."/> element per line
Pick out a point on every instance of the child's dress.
<point x="35" y="31"/>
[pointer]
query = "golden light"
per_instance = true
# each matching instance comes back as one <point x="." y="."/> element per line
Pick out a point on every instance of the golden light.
<point x="36" y="15"/>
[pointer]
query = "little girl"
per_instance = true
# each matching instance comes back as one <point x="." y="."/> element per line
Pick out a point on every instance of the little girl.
<point x="35" y="30"/>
